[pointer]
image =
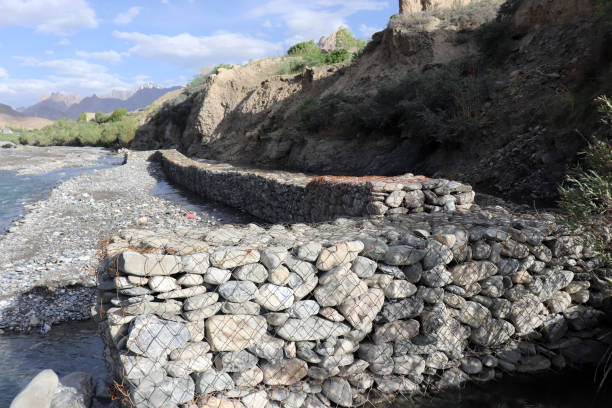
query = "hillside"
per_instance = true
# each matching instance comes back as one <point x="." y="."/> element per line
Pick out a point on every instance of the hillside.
<point x="56" y="106"/>
<point x="12" y="118"/>
<point x="502" y="106"/>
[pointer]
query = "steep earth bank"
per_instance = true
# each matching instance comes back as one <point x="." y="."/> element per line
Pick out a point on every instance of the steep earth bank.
<point x="536" y="69"/>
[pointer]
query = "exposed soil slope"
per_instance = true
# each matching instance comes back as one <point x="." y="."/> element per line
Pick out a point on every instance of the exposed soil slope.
<point x="541" y="63"/>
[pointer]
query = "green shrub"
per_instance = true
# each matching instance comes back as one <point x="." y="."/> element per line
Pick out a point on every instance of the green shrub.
<point x="220" y="66"/>
<point x="196" y="83"/>
<point x="292" y="65"/>
<point x="117" y="115"/>
<point x="437" y="105"/>
<point x="82" y="117"/>
<point x="101" y="117"/>
<point x="586" y="196"/>
<point x="336" y="56"/>
<point x="495" y="37"/>
<point x="604" y="9"/>
<point x="304" y="49"/>
<point x="346" y="40"/>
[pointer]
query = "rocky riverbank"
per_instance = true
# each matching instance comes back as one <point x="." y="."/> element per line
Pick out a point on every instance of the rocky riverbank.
<point x="346" y="313"/>
<point x="48" y="257"/>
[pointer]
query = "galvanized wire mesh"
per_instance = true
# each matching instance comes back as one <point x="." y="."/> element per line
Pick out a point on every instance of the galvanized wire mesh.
<point x="345" y="323"/>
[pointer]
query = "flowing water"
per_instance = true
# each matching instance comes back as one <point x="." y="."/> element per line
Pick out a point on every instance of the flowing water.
<point x="569" y="389"/>
<point x="69" y="347"/>
<point x="16" y="191"/>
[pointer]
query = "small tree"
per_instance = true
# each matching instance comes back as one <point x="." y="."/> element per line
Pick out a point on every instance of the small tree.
<point x="82" y="117"/>
<point x="587" y="196"/>
<point x="345" y="39"/>
<point x="100" y="117"/>
<point x="117" y="115"/>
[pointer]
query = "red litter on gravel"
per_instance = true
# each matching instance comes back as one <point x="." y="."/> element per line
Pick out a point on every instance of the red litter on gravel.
<point x="189" y="215"/>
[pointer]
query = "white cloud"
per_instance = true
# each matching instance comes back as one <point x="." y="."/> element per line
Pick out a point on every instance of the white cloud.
<point x="64" y="42"/>
<point x="367" y="31"/>
<point x="49" y="52"/>
<point x="60" y="17"/>
<point x="192" y="52"/>
<point x="111" y="56"/>
<point x="311" y="20"/>
<point x="3" y="73"/>
<point x="128" y="16"/>
<point x="26" y="61"/>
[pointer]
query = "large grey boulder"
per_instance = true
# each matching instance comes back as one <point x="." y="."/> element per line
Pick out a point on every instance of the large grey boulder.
<point x="75" y="391"/>
<point x="153" y="337"/>
<point x="134" y="263"/>
<point x="168" y="394"/>
<point x="39" y="392"/>
<point x="234" y="333"/>
<point x="338" y="390"/>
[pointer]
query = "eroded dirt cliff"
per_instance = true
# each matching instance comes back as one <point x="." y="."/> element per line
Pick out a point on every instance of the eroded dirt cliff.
<point x="537" y="68"/>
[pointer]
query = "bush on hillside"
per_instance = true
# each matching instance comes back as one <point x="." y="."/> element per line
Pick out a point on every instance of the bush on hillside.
<point x="346" y="40"/>
<point x="336" y="57"/>
<point x="308" y="54"/>
<point x="587" y="194"/>
<point x="196" y="84"/>
<point x="436" y="105"/>
<point x="304" y="49"/>
<point x="216" y="69"/>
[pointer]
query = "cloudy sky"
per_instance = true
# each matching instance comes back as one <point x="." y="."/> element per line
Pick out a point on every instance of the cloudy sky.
<point x="93" y="46"/>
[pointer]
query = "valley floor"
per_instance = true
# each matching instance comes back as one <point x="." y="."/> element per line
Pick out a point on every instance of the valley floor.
<point x="48" y="259"/>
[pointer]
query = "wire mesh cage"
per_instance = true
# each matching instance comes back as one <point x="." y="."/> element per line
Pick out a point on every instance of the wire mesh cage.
<point x="296" y="316"/>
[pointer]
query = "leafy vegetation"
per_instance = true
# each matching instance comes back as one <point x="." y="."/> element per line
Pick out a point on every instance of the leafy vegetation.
<point x="308" y="53"/>
<point x="196" y="83"/>
<point x="587" y="195"/>
<point x="216" y="69"/>
<point x="346" y="40"/>
<point x="604" y="8"/>
<point x="305" y="49"/>
<point x="495" y="38"/>
<point x="116" y="129"/>
<point x="436" y="105"/>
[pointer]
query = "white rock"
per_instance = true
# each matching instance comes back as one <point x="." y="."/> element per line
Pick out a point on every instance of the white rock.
<point x="274" y="298"/>
<point x="39" y="392"/>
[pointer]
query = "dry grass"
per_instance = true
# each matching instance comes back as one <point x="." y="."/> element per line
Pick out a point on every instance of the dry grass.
<point x="458" y="17"/>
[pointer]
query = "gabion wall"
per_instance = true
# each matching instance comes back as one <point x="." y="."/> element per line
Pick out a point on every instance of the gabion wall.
<point x="276" y="196"/>
<point x="343" y="313"/>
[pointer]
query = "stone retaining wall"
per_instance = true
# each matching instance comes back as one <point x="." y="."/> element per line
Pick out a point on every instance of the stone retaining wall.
<point x="276" y="196"/>
<point x="344" y="313"/>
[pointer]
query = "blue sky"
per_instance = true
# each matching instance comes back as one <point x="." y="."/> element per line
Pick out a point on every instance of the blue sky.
<point x="90" y="47"/>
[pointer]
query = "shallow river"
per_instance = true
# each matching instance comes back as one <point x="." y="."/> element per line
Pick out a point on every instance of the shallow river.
<point x="70" y="347"/>
<point x="19" y="190"/>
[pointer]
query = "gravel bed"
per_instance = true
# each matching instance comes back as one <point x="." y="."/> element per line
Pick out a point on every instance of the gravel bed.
<point x="48" y="258"/>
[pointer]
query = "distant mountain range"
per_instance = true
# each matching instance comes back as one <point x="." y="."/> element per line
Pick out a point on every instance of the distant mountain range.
<point x="57" y="105"/>
<point x="10" y="117"/>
